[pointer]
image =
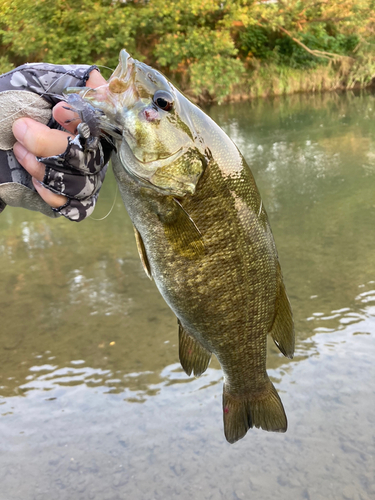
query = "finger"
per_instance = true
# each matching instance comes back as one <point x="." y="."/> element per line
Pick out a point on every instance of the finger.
<point x="54" y="200"/>
<point x="95" y="80"/>
<point x="29" y="162"/>
<point x="67" y="118"/>
<point x="37" y="171"/>
<point x="39" y="139"/>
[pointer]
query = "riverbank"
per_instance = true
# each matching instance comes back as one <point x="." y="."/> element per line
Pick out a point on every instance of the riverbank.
<point x="273" y="81"/>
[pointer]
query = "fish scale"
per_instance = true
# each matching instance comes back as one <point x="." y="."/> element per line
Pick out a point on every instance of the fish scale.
<point x="203" y="236"/>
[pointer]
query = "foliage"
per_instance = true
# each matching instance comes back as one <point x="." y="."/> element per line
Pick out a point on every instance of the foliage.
<point x="211" y="48"/>
<point x="65" y="31"/>
<point x="194" y="43"/>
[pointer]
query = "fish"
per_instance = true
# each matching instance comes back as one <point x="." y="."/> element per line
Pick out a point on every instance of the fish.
<point x="203" y="236"/>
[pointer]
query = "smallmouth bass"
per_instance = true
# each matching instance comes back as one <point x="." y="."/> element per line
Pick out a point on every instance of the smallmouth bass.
<point x="203" y="235"/>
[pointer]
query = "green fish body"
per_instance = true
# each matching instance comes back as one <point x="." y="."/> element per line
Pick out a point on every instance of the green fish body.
<point x="203" y="235"/>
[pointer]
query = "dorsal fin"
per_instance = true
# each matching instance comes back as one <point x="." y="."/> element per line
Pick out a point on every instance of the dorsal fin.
<point x="282" y="330"/>
<point x="193" y="356"/>
<point x="142" y="253"/>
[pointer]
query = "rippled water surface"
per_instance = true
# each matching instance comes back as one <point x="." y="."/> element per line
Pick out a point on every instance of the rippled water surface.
<point x="93" y="402"/>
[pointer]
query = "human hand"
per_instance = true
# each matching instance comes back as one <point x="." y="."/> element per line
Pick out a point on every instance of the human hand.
<point x="73" y="176"/>
<point x="36" y="139"/>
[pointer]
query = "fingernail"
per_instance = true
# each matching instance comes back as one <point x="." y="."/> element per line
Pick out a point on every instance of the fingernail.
<point x="19" y="151"/>
<point x="19" y="129"/>
<point x="37" y="184"/>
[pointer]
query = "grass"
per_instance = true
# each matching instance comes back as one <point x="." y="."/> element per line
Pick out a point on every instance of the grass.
<point x="272" y="80"/>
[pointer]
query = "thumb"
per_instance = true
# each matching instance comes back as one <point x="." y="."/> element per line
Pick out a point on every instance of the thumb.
<point x="39" y="139"/>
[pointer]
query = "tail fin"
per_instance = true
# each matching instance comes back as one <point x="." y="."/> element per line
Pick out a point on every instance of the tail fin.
<point x="242" y="412"/>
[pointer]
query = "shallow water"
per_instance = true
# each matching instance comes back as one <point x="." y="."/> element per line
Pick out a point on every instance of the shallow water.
<point x="93" y="402"/>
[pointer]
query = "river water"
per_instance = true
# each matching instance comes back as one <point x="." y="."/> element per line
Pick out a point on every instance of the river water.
<point x="93" y="402"/>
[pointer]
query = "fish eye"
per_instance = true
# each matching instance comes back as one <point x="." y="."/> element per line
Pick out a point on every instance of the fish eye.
<point x="163" y="100"/>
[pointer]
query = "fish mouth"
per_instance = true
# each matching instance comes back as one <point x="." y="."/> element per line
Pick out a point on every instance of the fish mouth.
<point x="153" y="163"/>
<point x="122" y="82"/>
<point x="152" y="159"/>
<point x="124" y="67"/>
<point x="145" y="171"/>
<point x="158" y="161"/>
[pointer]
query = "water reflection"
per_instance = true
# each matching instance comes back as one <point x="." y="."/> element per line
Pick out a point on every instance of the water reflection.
<point x="85" y="335"/>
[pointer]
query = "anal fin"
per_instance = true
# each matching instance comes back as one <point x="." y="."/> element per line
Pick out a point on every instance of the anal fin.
<point x="194" y="358"/>
<point x="241" y="412"/>
<point x="282" y="330"/>
<point x="142" y="253"/>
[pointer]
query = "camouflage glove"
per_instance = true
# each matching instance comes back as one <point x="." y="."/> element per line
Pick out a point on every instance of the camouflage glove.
<point x="32" y="90"/>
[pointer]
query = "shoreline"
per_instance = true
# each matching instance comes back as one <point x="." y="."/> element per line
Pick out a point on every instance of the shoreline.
<point x="266" y="82"/>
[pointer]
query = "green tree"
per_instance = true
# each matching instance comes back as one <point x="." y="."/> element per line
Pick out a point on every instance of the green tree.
<point x="210" y="48"/>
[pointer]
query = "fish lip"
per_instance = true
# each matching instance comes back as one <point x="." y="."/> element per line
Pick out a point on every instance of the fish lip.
<point x="125" y="61"/>
<point x="126" y="135"/>
<point x="124" y="58"/>
<point x="133" y="165"/>
<point x="170" y="158"/>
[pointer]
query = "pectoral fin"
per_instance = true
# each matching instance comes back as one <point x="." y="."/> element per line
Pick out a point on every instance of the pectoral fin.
<point x="184" y="235"/>
<point x="142" y="253"/>
<point x="193" y="356"/>
<point x="282" y="330"/>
